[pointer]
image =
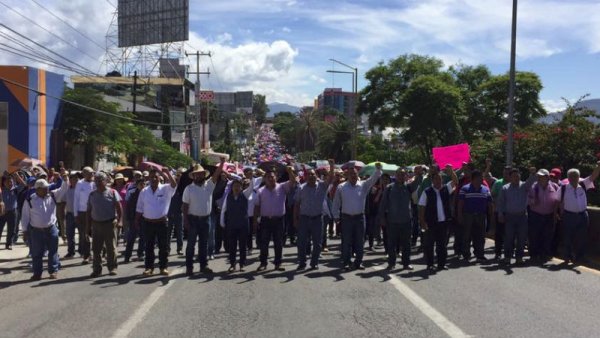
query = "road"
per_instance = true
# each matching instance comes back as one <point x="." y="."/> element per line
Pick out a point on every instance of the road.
<point x="481" y="300"/>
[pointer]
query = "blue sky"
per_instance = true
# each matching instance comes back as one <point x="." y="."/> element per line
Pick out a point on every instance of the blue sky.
<point x="281" y="47"/>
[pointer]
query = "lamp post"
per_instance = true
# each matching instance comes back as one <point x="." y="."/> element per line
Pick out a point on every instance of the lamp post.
<point x="355" y="90"/>
<point x="511" y="88"/>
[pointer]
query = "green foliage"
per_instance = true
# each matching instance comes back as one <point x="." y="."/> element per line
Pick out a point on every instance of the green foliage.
<point x="335" y="139"/>
<point x="114" y="137"/>
<point x="260" y="108"/>
<point x="433" y="104"/>
<point x="382" y="97"/>
<point x="286" y="124"/>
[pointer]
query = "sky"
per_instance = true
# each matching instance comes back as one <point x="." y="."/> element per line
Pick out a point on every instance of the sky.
<point x="281" y="48"/>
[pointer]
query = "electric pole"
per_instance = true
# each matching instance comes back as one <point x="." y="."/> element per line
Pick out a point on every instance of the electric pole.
<point x="511" y="89"/>
<point x="201" y="124"/>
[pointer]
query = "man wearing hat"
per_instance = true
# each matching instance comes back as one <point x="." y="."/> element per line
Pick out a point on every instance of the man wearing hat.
<point x="81" y="195"/>
<point x="197" y="207"/>
<point x="103" y="214"/>
<point x="543" y="200"/>
<point x="512" y="210"/>
<point x="152" y="208"/>
<point x="39" y="224"/>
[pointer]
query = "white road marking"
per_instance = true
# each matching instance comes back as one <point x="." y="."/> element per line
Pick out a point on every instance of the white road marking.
<point x="439" y="319"/>
<point x="128" y="326"/>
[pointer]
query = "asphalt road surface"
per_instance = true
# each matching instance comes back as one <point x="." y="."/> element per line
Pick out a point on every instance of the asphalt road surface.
<point x="480" y="300"/>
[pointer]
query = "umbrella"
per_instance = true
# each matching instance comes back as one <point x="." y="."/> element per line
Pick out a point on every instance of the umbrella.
<point x="369" y="169"/>
<point x="149" y="165"/>
<point x="353" y="164"/>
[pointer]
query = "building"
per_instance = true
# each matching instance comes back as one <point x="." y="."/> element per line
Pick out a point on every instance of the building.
<point x="29" y="120"/>
<point x="335" y="98"/>
<point x="234" y="102"/>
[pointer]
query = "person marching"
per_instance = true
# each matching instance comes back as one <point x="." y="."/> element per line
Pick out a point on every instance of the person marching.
<point x="234" y="219"/>
<point x="349" y="207"/>
<point x="197" y="207"/>
<point x="152" y="208"/>
<point x="435" y="217"/>
<point x="103" y="215"/>
<point x="270" y="208"/>
<point x="39" y="223"/>
<point x="308" y="220"/>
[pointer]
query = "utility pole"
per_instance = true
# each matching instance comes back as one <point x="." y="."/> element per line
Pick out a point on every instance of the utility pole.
<point x="202" y="129"/>
<point x="134" y="91"/>
<point x="511" y="89"/>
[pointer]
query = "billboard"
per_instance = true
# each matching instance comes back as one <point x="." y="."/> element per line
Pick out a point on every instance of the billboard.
<point x="146" y="22"/>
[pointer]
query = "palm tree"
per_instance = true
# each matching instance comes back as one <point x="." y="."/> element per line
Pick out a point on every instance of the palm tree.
<point x="307" y="133"/>
<point x="335" y="139"/>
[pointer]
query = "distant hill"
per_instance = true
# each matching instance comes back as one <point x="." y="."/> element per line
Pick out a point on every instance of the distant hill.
<point x="592" y="104"/>
<point x="277" y="107"/>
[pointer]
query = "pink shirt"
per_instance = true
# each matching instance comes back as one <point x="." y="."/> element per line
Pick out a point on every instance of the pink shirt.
<point x="544" y="201"/>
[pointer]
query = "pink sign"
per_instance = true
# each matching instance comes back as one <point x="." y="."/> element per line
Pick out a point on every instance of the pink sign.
<point x="455" y="155"/>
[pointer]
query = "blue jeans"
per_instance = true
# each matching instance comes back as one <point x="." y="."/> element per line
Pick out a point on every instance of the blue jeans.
<point x="176" y="224"/>
<point x="42" y="240"/>
<point x="132" y="234"/>
<point x="213" y="222"/>
<point x="198" y="231"/>
<point x="310" y="229"/>
<point x="70" y="229"/>
<point x="10" y="220"/>
<point x="575" y="227"/>
<point x="353" y="234"/>
<point x="516" y="228"/>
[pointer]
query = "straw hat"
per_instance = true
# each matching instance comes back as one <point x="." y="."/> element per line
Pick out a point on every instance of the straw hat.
<point x="120" y="176"/>
<point x="197" y="170"/>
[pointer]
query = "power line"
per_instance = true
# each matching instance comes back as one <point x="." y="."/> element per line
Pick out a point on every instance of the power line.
<point x="216" y="73"/>
<point x="92" y="108"/>
<point x="68" y="24"/>
<point x="47" y="49"/>
<point x="47" y="30"/>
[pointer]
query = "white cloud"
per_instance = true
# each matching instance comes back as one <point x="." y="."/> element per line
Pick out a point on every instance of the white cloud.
<point x="553" y="106"/>
<point x="286" y="30"/>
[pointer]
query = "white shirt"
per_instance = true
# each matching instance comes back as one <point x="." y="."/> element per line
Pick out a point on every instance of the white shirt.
<point x="83" y="189"/>
<point x="60" y="195"/>
<point x="575" y="199"/>
<point x="155" y="204"/>
<point x="199" y="198"/>
<point x="440" y="206"/>
<point x="41" y="214"/>
<point x="351" y="199"/>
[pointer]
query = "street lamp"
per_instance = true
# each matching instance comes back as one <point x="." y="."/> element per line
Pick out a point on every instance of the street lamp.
<point x="355" y="90"/>
<point x="511" y="88"/>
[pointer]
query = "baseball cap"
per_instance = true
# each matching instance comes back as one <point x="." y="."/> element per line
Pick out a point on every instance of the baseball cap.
<point x="41" y="183"/>
<point x="543" y="172"/>
<point x="556" y="172"/>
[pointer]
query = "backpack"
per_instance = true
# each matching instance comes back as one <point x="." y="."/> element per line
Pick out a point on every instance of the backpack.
<point x="28" y="199"/>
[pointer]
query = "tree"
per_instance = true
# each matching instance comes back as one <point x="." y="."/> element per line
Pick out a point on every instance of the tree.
<point x="111" y="135"/>
<point x="307" y="131"/>
<point x="433" y="103"/>
<point x="476" y="120"/>
<point x="102" y="134"/>
<point x="260" y="108"/>
<point x="335" y="139"/>
<point x="493" y="96"/>
<point x="382" y="97"/>
<point x="286" y="124"/>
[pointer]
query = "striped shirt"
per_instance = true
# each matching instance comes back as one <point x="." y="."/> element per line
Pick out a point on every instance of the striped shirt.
<point x="476" y="201"/>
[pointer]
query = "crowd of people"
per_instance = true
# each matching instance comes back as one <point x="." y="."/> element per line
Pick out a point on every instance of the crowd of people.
<point x="225" y="211"/>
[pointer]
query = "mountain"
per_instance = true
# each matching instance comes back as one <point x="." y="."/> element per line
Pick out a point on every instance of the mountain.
<point x="277" y="107"/>
<point x="592" y="104"/>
